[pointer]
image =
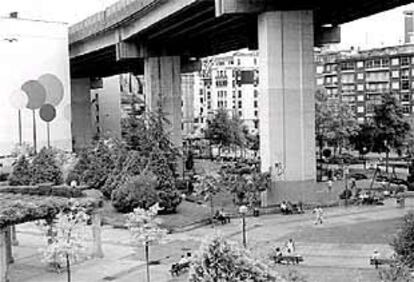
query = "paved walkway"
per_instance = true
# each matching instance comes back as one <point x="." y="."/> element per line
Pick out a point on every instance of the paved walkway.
<point x="122" y="263"/>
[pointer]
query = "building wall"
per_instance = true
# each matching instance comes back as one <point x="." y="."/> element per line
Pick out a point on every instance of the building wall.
<point x="361" y="77"/>
<point x="28" y="50"/>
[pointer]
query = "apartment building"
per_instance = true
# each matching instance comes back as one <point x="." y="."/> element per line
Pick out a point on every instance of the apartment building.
<point x="230" y="82"/>
<point x="361" y="77"/>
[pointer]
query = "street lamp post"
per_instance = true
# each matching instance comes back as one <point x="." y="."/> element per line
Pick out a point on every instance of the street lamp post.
<point x="243" y="210"/>
<point x="346" y="172"/>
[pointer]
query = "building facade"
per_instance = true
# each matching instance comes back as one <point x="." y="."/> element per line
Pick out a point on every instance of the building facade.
<point x="230" y="82"/>
<point x="361" y="77"/>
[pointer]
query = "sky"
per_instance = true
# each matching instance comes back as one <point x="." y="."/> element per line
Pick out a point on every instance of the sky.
<point x="384" y="29"/>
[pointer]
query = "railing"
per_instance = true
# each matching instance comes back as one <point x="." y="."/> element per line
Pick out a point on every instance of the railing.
<point x="111" y="17"/>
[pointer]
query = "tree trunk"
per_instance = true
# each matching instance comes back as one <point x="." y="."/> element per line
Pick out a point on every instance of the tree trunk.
<point x="147" y="261"/>
<point x="387" y="155"/>
<point x="68" y="268"/>
<point x="212" y="210"/>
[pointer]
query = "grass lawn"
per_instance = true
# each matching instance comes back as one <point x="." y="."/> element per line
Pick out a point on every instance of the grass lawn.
<point x="375" y="232"/>
<point x="187" y="213"/>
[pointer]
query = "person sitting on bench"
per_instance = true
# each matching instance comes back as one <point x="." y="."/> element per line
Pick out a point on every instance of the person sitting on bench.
<point x="222" y="217"/>
<point x="374" y="257"/>
<point x="278" y="255"/>
<point x="284" y="208"/>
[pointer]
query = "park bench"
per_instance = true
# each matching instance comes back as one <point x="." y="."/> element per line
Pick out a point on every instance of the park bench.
<point x="381" y="261"/>
<point x="288" y="259"/>
<point x="178" y="268"/>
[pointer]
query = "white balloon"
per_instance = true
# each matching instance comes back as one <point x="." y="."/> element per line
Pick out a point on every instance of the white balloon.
<point x="18" y="99"/>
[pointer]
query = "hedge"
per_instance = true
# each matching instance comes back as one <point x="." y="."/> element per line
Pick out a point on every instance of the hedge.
<point x="18" y="208"/>
<point x="44" y="190"/>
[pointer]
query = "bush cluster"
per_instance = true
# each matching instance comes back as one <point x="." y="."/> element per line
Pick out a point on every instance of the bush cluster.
<point x="44" y="190"/>
<point x="43" y="169"/>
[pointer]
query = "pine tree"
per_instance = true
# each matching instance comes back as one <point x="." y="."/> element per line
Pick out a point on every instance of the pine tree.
<point x="20" y="175"/>
<point x="44" y="168"/>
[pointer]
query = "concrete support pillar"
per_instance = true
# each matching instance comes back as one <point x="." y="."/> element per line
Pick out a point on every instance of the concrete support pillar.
<point x="287" y="108"/>
<point x="4" y="265"/>
<point x="82" y="129"/>
<point x="96" y="235"/>
<point x="163" y="86"/>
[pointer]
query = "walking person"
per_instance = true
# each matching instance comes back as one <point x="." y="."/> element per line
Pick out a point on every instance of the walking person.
<point x="290" y="246"/>
<point x="318" y="211"/>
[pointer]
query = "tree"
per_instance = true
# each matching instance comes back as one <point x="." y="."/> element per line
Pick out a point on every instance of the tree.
<point x="145" y="230"/>
<point x="391" y="127"/>
<point x="403" y="242"/>
<point x="220" y="130"/>
<point x="44" y="168"/>
<point x="68" y="243"/>
<point x="20" y="175"/>
<point x="335" y="122"/>
<point x="364" y="140"/>
<point x="220" y="260"/>
<point x="137" y="192"/>
<point x="246" y="188"/>
<point x="207" y="186"/>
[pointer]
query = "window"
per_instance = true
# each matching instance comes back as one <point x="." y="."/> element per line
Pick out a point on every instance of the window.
<point x="360" y="75"/>
<point x="240" y="113"/>
<point x="238" y="62"/>
<point x="347" y="78"/>
<point x="360" y="98"/>
<point x="405" y="84"/>
<point x="395" y="61"/>
<point x="240" y="104"/>
<point x="256" y="113"/>
<point x="395" y="85"/>
<point x="255" y="61"/>
<point x="360" y="64"/>
<point x="361" y="120"/>
<point x="360" y="87"/>
<point x="240" y="94"/>
<point x="347" y="66"/>
<point x="255" y="93"/>
<point x="255" y="104"/>
<point x="360" y="109"/>
<point x="319" y="69"/>
<point x="377" y="76"/>
<point x="395" y="74"/>
<point x="319" y="81"/>
<point x="405" y="73"/>
<point x="405" y="61"/>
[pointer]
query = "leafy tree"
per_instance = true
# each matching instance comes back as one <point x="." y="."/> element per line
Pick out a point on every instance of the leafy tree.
<point x="246" y="188"/>
<point x="403" y="243"/>
<point x="68" y="243"/>
<point x="137" y="192"/>
<point x="220" y="260"/>
<point x="145" y="230"/>
<point x="20" y="175"/>
<point x="207" y="186"/>
<point x="395" y="273"/>
<point x="364" y="140"/>
<point x="44" y="168"/>
<point x="219" y="130"/>
<point x="335" y="122"/>
<point x="391" y="127"/>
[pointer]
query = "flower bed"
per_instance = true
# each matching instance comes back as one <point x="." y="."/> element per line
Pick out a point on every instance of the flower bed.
<point x="19" y="208"/>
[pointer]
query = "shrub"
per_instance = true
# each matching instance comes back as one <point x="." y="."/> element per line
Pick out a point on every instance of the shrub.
<point x="21" y="173"/>
<point x="403" y="243"/>
<point x="219" y="260"/>
<point x="44" y="168"/>
<point x="168" y="196"/>
<point x="138" y="192"/>
<point x="346" y="194"/>
<point x="395" y="273"/>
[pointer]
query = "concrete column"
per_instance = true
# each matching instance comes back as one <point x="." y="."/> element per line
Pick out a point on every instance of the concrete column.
<point x="82" y="128"/>
<point x="287" y="108"/>
<point x="163" y="86"/>
<point x="96" y="235"/>
<point x="15" y="242"/>
<point x="4" y="265"/>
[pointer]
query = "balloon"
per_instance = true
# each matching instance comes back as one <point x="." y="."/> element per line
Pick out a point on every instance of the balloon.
<point x="18" y="99"/>
<point x="54" y="88"/>
<point x="36" y="93"/>
<point x="47" y="112"/>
